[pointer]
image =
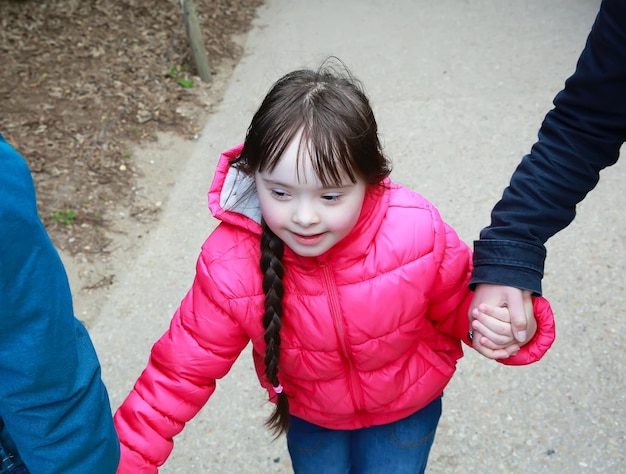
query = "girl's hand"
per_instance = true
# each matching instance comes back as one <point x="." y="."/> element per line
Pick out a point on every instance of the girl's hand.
<point x="492" y="332"/>
<point x="518" y="301"/>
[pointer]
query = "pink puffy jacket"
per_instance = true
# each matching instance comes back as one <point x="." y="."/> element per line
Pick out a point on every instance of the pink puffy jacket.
<point x="371" y="329"/>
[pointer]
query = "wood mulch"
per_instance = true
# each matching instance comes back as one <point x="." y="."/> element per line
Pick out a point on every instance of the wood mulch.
<point x="83" y="81"/>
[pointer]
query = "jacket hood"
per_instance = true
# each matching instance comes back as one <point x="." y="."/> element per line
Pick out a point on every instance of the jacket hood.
<point x="233" y="200"/>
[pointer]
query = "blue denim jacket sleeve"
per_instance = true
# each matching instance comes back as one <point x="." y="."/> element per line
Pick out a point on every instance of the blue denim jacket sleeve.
<point x="579" y="137"/>
<point x="53" y="403"/>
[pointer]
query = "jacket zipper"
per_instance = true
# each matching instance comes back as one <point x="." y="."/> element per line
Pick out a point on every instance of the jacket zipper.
<point x="343" y="346"/>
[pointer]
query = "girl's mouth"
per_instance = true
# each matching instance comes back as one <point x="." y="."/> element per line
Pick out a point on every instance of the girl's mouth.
<point x="308" y="239"/>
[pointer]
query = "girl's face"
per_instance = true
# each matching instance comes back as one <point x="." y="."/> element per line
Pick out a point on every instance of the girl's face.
<point x="307" y="216"/>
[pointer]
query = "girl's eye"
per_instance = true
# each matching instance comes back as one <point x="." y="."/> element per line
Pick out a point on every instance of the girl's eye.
<point x="331" y="197"/>
<point x="279" y="193"/>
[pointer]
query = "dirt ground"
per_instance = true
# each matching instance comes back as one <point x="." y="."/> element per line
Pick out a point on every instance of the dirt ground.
<point x="101" y="97"/>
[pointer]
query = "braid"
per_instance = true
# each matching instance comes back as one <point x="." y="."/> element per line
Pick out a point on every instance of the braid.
<point x="272" y="268"/>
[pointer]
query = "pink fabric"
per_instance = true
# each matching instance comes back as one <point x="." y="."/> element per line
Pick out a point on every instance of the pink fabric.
<point x="371" y="329"/>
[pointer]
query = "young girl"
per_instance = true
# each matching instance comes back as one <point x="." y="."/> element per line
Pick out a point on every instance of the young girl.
<point x="352" y="289"/>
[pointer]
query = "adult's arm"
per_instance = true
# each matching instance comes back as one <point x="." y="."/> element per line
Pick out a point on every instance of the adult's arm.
<point x="53" y="403"/>
<point x="579" y="137"/>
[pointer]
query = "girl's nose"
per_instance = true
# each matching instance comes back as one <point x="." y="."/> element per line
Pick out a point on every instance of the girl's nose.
<point x="305" y="215"/>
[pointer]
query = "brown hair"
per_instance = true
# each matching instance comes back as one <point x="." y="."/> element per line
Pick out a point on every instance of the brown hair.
<point x="340" y="133"/>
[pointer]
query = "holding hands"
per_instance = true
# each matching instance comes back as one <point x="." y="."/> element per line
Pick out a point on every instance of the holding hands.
<point x="492" y="336"/>
<point x="492" y="327"/>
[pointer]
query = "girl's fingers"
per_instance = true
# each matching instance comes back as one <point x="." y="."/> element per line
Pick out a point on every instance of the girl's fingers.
<point x="496" y="330"/>
<point x="510" y="348"/>
<point x="491" y="352"/>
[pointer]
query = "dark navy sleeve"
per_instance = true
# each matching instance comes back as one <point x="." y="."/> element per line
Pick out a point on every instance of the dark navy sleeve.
<point x="53" y="404"/>
<point x="579" y="137"/>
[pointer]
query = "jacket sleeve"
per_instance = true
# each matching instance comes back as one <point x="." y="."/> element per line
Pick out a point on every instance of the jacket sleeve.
<point x="200" y="346"/>
<point x="450" y="300"/>
<point x="53" y="403"/>
<point x="449" y="296"/>
<point x="579" y="137"/>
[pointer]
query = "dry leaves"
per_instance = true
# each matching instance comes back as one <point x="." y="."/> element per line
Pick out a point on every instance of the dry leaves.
<point x="80" y="80"/>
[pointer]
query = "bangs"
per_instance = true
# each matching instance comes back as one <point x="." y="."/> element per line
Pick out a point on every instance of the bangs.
<point x="322" y="140"/>
<point x="330" y="157"/>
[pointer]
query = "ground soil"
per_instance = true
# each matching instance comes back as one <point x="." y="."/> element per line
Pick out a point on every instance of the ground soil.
<point x="101" y="97"/>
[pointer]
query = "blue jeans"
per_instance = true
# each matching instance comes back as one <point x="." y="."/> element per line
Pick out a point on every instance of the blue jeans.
<point x="9" y="463"/>
<point x="401" y="447"/>
<point x="21" y="469"/>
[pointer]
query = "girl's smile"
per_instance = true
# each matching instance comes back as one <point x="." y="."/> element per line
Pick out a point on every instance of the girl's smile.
<point x="313" y="239"/>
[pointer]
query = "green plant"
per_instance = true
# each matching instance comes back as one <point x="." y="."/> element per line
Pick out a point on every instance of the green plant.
<point x="176" y="73"/>
<point x="66" y="216"/>
<point x="186" y="83"/>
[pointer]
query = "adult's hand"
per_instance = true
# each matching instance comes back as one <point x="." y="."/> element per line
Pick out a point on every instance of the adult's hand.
<point x="519" y="304"/>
